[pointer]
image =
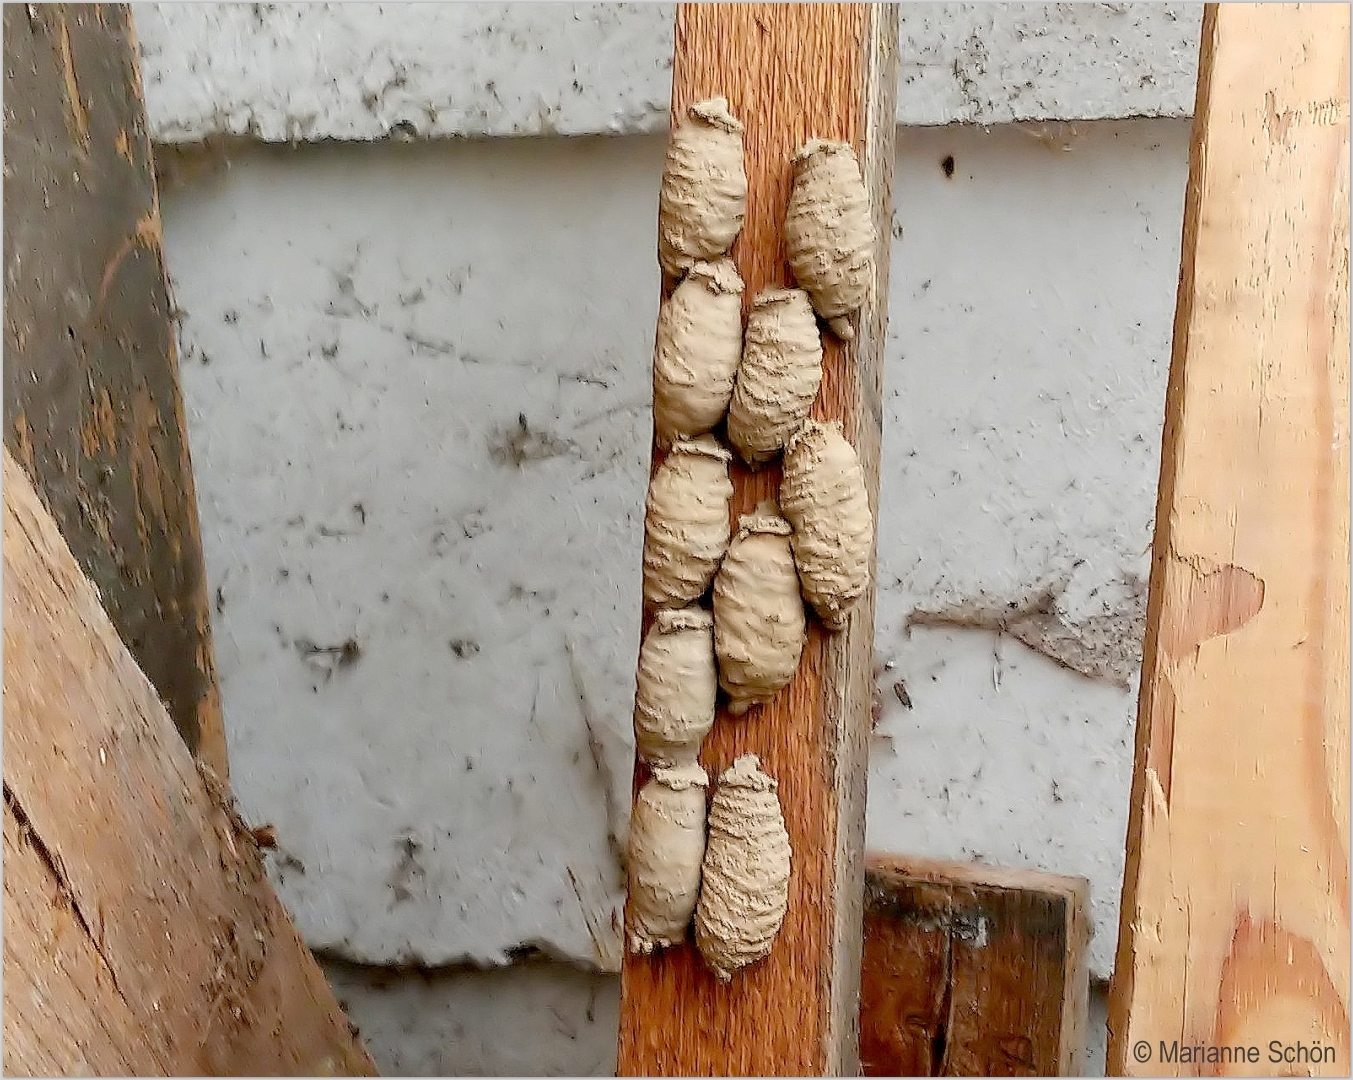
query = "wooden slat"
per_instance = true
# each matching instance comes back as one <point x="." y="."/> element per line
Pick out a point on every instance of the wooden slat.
<point x="972" y="970"/>
<point x="165" y="947"/>
<point x="1235" y="915"/>
<point x="790" y="72"/>
<point x="91" y="396"/>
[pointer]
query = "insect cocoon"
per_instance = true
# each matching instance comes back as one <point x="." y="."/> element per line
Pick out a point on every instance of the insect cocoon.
<point x="745" y="883"/>
<point x="779" y="375"/>
<point x="686" y="526"/>
<point x="703" y="198"/>
<point x="699" y="343"/>
<point x="677" y="686"/>
<point x="759" y="624"/>
<point x="822" y="494"/>
<point x="829" y="232"/>
<point x="666" y="848"/>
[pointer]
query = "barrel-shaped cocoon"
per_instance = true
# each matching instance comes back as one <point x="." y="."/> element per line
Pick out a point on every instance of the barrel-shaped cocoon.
<point x="822" y="493"/>
<point x="829" y="231"/>
<point x="697" y="349"/>
<point x="779" y="375"/>
<point x="677" y="685"/>
<point x="744" y="889"/>
<point x="666" y="850"/>
<point x="703" y="198"/>
<point x="686" y="526"/>
<point x="759" y="622"/>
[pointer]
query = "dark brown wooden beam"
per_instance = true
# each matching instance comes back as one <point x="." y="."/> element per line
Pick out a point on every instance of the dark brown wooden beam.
<point x="972" y="970"/>
<point x="92" y="407"/>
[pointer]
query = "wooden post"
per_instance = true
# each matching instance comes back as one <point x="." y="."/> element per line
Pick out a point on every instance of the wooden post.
<point x="91" y="394"/>
<point x="790" y="72"/>
<point x="141" y="935"/>
<point x="972" y="970"/>
<point x="1235" y="915"/>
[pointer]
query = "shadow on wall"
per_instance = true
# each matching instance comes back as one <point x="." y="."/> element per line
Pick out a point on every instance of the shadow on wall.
<point x="532" y="1019"/>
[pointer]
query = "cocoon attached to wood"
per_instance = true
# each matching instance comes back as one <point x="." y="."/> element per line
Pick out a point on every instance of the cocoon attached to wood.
<point x="822" y="493"/>
<point x="759" y="623"/>
<point x="703" y="198"/>
<point x="829" y="232"/>
<point x="695" y="358"/>
<point x="686" y="526"/>
<point x="778" y="377"/>
<point x="744" y="889"/>
<point x="666" y="848"/>
<point x="678" y="683"/>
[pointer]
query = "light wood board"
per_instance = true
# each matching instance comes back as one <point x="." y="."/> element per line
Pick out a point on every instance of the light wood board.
<point x="1235" y="914"/>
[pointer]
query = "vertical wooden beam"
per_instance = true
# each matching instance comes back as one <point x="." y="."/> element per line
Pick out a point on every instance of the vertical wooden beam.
<point x="91" y="395"/>
<point x="972" y="970"/>
<point x="1235" y="915"/>
<point x="790" y="72"/>
<point x="141" y="934"/>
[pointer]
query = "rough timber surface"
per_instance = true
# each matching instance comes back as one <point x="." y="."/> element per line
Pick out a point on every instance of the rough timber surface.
<point x="1235" y="913"/>
<point x="92" y="405"/>
<point x="972" y="970"/>
<point x="790" y="72"/>
<point x="141" y="934"/>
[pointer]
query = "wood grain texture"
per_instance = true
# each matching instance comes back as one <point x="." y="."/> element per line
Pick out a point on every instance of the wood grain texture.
<point x="1235" y="914"/>
<point x="141" y="934"/>
<point x="91" y="395"/>
<point x="789" y="72"/>
<point x="972" y="970"/>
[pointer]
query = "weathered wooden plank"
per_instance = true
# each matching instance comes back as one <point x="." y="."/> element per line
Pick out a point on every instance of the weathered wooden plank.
<point x="972" y="970"/>
<point x="790" y="72"/>
<point x="91" y="396"/>
<point x="51" y="964"/>
<point x="154" y="889"/>
<point x="1235" y="914"/>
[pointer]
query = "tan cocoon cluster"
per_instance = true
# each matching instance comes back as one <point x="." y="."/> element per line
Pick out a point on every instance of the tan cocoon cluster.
<point x="829" y="231"/>
<point x="759" y="623"/>
<point x="699" y="344"/>
<point x="745" y="884"/>
<point x="822" y="493"/>
<point x="703" y="198"/>
<point x="666" y="848"/>
<point x="678" y="682"/>
<point x="779" y="376"/>
<point x="686" y="526"/>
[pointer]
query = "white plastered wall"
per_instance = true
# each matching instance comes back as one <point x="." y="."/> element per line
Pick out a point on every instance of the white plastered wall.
<point x="416" y="368"/>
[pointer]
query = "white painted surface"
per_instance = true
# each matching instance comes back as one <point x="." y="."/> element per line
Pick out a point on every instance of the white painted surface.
<point x="414" y="302"/>
<point x="308" y="72"/>
<point x="367" y="331"/>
